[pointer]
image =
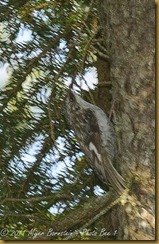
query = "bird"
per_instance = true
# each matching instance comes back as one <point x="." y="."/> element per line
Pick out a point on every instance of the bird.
<point x="96" y="137"/>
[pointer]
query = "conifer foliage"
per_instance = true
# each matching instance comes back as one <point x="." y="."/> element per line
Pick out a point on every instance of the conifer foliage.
<point x="45" y="181"/>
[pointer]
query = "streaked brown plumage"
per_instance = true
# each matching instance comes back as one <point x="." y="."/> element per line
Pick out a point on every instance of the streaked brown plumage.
<point x="95" y="135"/>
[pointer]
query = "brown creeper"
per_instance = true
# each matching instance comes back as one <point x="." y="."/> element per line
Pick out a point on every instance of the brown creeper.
<point x="96" y="138"/>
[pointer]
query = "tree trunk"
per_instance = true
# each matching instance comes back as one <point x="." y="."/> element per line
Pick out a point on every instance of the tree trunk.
<point x="128" y="28"/>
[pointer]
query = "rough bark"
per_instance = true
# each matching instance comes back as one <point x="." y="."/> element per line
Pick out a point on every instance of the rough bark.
<point x="103" y="96"/>
<point x="128" y="29"/>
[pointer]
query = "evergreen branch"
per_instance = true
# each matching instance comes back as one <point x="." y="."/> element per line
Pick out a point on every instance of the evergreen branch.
<point x="32" y="64"/>
<point x="88" y="211"/>
<point x="52" y="127"/>
<point x="96" y="217"/>
<point x="100" y="54"/>
<point x="87" y="46"/>
<point x="40" y="156"/>
<point x="54" y="198"/>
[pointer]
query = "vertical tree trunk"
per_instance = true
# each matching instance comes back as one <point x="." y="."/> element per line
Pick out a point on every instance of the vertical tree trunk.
<point x="128" y="29"/>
